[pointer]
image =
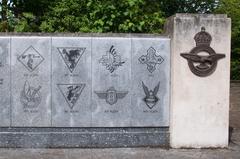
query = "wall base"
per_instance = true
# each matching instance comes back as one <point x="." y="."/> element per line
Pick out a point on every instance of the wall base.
<point x="83" y="137"/>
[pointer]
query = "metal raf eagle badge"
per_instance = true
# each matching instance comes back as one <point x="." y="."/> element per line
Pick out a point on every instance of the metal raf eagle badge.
<point x="202" y="59"/>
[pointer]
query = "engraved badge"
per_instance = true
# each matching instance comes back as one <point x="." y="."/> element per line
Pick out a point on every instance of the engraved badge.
<point x="202" y="59"/>
<point x="31" y="58"/>
<point x="111" y="60"/>
<point x="111" y="95"/>
<point x="71" y="56"/>
<point x="71" y="92"/>
<point x="151" y="59"/>
<point x="151" y="98"/>
<point x="30" y="96"/>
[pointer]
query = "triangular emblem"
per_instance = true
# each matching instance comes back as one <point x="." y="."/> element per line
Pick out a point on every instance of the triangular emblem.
<point x="71" y="92"/>
<point x="71" y="56"/>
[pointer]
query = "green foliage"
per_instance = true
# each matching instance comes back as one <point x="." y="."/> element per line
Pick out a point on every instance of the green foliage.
<point x="103" y="16"/>
<point x="232" y="9"/>
<point x="27" y="23"/>
<point x="170" y="7"/>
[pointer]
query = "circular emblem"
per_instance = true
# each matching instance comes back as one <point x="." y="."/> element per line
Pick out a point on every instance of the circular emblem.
<point x="202" y="59"/>
<point x="205" y="67"/>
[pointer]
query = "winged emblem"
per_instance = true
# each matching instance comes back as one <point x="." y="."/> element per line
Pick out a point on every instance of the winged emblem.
<point x="30" y="96"/>
<point x="111" y="95"/>
<point x="202" y="65"/>
<point x="151" y="98"/>
<point x="205" y="61"/>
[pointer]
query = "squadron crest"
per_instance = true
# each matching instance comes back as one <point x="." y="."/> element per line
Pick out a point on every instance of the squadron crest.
<point x="202" y="65"/>
<point x="30" y="96"/>
<point x="151" y="98"/>
<point x="151" y="59"/>
<point x="111" y="60"/>
<point x="31" y="58"/>
<point x="111" y="95"/>
<point x="71" y="56"/>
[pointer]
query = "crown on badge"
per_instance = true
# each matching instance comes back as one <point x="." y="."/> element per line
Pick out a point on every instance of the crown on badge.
<point x="203" y="37"/>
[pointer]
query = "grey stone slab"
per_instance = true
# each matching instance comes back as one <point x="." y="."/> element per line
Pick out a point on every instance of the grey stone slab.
<point x="150" y="81"/>
<point x="31" y="81"/>
<point x="5" y="81"/>
<point x="83" y="137"/>
<point x="71" y="81"/>
<point x="111" y="76"/>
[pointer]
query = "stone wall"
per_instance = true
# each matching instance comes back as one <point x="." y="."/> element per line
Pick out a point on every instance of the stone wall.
<point x="102" y="90"/>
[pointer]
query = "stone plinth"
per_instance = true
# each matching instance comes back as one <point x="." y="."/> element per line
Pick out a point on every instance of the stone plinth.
<point x="199" y="95"/>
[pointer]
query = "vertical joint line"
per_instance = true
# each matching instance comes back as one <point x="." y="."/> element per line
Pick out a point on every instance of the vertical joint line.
<point x="10" y="54"/>
<point x="51" y="79"/>
<point x="91" y="85"/>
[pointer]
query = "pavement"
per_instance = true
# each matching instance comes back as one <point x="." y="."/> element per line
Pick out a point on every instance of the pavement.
<point x="232" y="152"/>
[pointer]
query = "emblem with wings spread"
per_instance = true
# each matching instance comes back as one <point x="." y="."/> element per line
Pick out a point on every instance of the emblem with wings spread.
<point x="202" y="59"/>
<point x="111" y="95"/>
<point x="151" y="98"/>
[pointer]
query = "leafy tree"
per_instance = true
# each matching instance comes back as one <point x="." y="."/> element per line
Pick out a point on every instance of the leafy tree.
<point x="170" y="7"/>
<point x="232" y="9"/>
<point x="23" y="15"/>
<point x="103" y="16"/>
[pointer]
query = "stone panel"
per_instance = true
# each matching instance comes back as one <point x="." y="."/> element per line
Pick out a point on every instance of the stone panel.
<point x="71" y="81"/>
<point x="5" y="81"/>
<point x="150" y="81"/>
<point x="111" y="82"/>
<point x="31" y="81"/>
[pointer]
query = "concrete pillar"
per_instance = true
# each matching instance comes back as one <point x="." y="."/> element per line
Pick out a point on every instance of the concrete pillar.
<point x="200" y="79"/>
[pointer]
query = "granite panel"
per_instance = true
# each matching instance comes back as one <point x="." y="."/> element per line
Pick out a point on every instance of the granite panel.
<point x="111" y="82"/>
<point x="83" y="137"/>
<point x="150" y="81"/>
<point x="31" y="81"/>
<point x="71" y="81"/>
<point x="5" y="81"/>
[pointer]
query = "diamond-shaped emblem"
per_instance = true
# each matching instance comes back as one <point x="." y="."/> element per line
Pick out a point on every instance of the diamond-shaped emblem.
<point x="31" y="58"/>
<point x="71" y="92"/>
<point x="71" y="56"/>
<point x="151" y="59"/>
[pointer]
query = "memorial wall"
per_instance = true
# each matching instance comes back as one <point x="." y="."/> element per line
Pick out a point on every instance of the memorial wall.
<point x="54" y="81"/>
<point x="118" y="90"/>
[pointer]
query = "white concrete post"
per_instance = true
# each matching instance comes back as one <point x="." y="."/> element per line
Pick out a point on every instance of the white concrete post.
<point x="199" y="97"/>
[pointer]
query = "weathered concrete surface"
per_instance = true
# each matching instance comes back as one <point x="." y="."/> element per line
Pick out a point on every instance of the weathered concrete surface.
<point x="199" y="105"/>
